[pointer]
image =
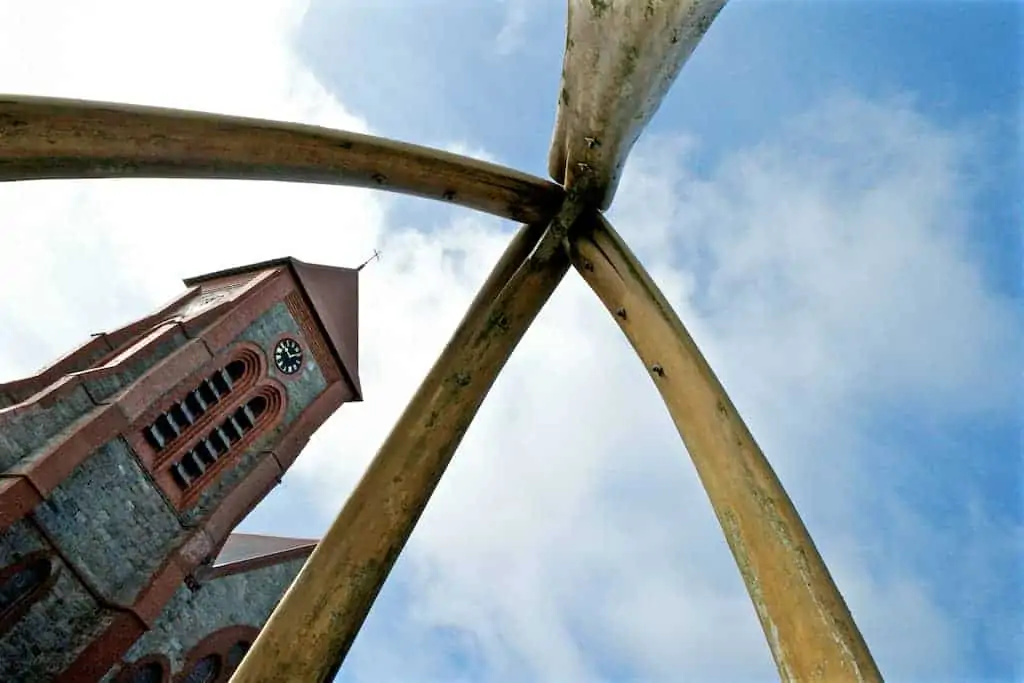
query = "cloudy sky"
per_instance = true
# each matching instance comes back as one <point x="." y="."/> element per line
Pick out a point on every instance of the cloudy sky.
<point x="829" y="197"/>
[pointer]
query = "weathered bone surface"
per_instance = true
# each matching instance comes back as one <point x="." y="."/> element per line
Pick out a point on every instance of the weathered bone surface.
<point x="808" y="625"/>
<point x="43" y="138"/>
<point x="312" y="629"/>
<point x="621" y="57"/>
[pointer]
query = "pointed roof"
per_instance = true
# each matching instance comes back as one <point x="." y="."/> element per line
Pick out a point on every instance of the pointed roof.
<point x="332" y="294"/>
<point x="241" y="547"/>
<point x="245" y="552"/>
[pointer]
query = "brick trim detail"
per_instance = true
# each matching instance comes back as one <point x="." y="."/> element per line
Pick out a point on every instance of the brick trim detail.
<point x="14" y="612"/>
<point x="314" y="338"/>
<point x="128" y="671"/>
<point x="103" y="653"/>
<point x="218" y="644"/>
<point x="274" y="395"/>
<point x="110" y="342"/>
<point x="254" y="383"/>
<point x="253" y="365"/>
<point x="17" y="498"/>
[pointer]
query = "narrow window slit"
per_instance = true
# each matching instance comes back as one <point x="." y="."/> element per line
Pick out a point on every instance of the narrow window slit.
<point x="206" y="452"/>
<point x="180" y="476"/>
<point x="198" y="404"/>
<point x="234" y="425"/>
<point x="209" y="395"/>
<point x="197" y="462"/>
<point x="242" y="419"/>
<point x="180" y="418"/>
<point x="219" y="446"/>
<point x="172" y="423"/>
<point x="218" y="383"/>
<point x="236" y="370"/>
<point x="212" y="386"/>
<point x="224" y="437"/>
<point x="165" y="429"/>
<point x="257" y="406"/>
<point x="155" y="438"/>
<point x="190" y="417"/>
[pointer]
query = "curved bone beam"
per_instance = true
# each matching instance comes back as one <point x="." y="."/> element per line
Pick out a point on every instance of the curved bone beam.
<point x="43" y="138"/>
<point x="621" y="57"/>
<point x="314" y="625"/>
<point x="808" y="625"/>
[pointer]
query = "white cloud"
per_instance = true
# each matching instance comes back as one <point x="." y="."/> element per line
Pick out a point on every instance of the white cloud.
<point x="466" y="149"/>
<point x="823" y="273"/>
<point x="95" y="251"/>
<point x="513" y="26"/>
<point x="826" y="279"/>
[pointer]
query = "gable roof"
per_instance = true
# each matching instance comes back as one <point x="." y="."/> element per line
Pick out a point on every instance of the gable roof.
<point x="332" y="294"/>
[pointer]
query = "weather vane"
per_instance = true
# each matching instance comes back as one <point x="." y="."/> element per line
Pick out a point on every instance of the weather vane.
<point x="375" y="257"/>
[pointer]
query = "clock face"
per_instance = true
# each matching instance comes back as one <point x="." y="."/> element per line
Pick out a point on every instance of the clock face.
<point x="288" y="356"/>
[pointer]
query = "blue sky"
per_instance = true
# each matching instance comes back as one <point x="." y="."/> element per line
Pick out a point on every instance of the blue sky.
<point x="955" y="64"/>
<point x="829" y="197"/>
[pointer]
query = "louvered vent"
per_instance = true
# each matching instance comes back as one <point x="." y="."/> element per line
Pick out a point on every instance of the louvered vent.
<point x="232" y="433"/>
<point x="179" y="419"/>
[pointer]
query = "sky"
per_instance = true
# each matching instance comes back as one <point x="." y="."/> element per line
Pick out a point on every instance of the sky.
<point x="829" y="197"/>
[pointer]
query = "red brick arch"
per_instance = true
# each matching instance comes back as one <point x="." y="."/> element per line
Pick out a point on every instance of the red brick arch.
<point x="155" y="665"/>
<point x="274" y="396"/>
<point x="219" y="645"/>
<point x="252" y="365"/>
<point x="10" y="614"/>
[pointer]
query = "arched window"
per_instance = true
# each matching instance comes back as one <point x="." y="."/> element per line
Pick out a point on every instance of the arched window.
<point x="150" y="672"/>
<point x="180" y="420"/>
<point x="193" y="440"/>
<point x="237" y="653"/>
<point x="150" y="669"/>
<point x="196" y="465"/>
<point x="216" y="657"/>
<point x="205" y="670"/>
<point x="21" y="584"/>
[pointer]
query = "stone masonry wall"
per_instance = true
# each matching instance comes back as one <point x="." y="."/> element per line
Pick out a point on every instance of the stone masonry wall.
<point x="102" y="388"/>
<point x="10" y="398"/>
<point x="29" y="431"/>
<point x="245" y="599"/>
<point x="116" y="526"/>
<point x="113" y="520"/>
<point x="56" y="628"/>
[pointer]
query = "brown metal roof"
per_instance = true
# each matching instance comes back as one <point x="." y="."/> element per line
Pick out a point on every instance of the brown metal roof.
<point x="245" y="552"/>
<point x="333" y="297"/>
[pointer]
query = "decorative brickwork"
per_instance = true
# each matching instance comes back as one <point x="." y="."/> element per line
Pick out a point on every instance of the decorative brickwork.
<point x="194" y="411"/>
<point x="310" y="330"/>
<point x="127" y="465"/>
<point x="151" y="669"/>
<point x="216" y="657"/>
<point x="22" y="583"/>
<point x="227" y="441"/>
<point x="203" y="427"/>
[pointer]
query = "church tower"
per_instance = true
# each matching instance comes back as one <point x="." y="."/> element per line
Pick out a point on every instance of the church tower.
<point x="125" y="466"/>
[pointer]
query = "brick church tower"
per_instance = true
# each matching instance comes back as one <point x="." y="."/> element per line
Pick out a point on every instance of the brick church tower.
<point x="125" y="466"/>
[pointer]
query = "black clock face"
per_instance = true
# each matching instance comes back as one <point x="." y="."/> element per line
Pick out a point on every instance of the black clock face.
<point x="288" y="356"/>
